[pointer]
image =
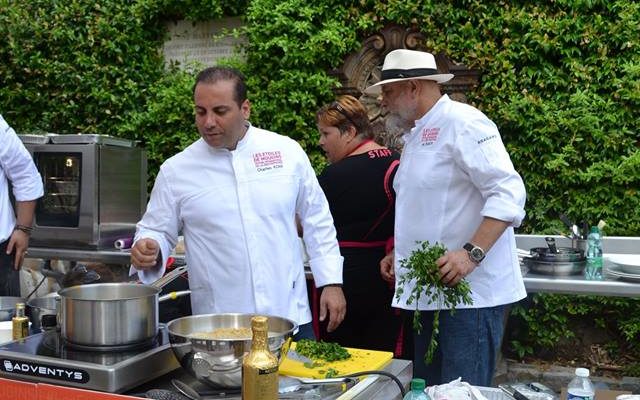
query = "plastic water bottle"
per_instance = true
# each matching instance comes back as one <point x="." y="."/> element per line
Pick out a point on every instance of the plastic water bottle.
<point x="594" y="255"/>
<point x="580" y="387"/>
<point x="417" y="390"/>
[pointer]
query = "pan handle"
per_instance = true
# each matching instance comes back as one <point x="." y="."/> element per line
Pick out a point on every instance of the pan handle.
<point x="169" y="277"/>
<point x="173" y="295"/>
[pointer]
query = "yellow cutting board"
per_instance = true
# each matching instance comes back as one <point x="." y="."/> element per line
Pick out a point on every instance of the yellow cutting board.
<point x="360" y="360"/>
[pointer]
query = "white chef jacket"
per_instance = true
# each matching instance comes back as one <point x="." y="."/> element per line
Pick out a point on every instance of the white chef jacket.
<point x="17" y="167"/>
<point x="237" y="212"/>
<point x="454" y="170"/>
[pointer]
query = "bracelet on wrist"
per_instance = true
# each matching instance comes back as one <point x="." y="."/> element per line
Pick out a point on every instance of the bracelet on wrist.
<point x="24" y="228"/>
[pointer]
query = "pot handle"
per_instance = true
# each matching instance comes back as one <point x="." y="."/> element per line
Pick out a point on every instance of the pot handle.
<point x="551" y="243"/>
<point x="173" y="295"/>
<point x="169" y="277"/>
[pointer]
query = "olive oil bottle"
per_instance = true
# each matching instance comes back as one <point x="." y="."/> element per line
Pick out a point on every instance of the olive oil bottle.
<point x="260" y="366"/>
<point x="20" y="323"/>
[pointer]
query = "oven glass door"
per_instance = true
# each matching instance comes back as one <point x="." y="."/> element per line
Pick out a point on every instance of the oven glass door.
<point x="61" y="172"/>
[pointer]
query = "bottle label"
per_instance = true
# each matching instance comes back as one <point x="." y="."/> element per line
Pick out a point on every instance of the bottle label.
<point x="579" y="396"/>
<point x="20" y="328"/>
<point x="260" y="384"/>
<point x="273" y="370"/>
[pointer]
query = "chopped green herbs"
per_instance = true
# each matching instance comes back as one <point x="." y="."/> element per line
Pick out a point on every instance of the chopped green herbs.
<point x="326" y="351"/>
<point x="421" y="267"/>
<point x="332" y="373"/>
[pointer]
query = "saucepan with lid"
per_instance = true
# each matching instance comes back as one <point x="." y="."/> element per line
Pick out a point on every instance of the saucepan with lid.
<point x="552" y="260"/>
<point x="563" y="254"/>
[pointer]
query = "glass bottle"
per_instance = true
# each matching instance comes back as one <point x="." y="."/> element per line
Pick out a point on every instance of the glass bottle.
<point x="260" y="366"/>
<point x="20" y="323"/>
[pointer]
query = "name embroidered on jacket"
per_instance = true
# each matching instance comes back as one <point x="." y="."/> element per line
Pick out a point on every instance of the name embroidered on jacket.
<point x="429" y="136"/>
<point x="267" y="160"/>
<point x="487" y="138"/>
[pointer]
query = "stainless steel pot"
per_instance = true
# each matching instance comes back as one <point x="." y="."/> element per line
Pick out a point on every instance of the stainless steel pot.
<point x="555" y="268"/>
<point x="8" y="307"/>
<point x="109" y="314"/>
<point x="106" y="315"/>
<point x="563" y="254"/>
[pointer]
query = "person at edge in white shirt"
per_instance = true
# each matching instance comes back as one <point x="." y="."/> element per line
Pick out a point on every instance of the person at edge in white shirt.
<point x="235" y="195"/>
<point x="16" y="167"/>
<point x="456" y="185"/>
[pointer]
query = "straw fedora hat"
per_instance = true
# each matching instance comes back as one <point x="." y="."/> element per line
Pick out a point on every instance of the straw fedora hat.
<point x="402" y="64"/>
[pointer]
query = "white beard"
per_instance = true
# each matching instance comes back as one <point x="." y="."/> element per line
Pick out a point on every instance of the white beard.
<point x="397" y="125"/>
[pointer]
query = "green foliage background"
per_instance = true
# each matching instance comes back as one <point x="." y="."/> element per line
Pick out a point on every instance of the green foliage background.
<point x="560" y="78"/>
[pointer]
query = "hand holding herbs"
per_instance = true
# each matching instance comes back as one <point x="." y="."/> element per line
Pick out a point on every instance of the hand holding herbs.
<point x="422" y="269"/>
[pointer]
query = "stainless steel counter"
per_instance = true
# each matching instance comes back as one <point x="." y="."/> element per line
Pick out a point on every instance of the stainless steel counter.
<point x="112" y="256"/>
<point x="534" y="283"/>
<point x="382" y="388"/>
<point x="107" y="256"/>
<point x="577" y="284"/>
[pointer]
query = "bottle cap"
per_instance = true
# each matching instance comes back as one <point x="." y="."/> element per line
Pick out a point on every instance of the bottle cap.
<point x="259" y="322"/>
<point x="582" y="372"/>
<point x="417" y="384"/>
<point x="594" y="229"/>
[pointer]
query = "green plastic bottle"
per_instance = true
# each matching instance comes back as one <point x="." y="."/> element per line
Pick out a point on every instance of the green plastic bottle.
<point x="417" y="390"/>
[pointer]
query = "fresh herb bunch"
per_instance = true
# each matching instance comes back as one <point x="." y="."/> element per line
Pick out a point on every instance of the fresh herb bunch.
<point x="421" y="267"/>
<point x="327" y="351"/>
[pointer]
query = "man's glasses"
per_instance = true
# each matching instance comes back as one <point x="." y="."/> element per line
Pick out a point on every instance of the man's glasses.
<point x="338" y="107"/>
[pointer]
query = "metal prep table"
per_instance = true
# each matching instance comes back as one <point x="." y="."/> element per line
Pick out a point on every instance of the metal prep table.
<point x="577" y="284"/>
<point x="101" y="255"/>
<point x="382" y="388"/>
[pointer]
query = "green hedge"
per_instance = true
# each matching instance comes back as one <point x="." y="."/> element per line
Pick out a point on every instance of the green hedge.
<point x="561" y="80"/>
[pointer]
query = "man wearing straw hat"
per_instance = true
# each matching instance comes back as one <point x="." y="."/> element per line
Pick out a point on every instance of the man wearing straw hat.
<point x="456" y="186"/>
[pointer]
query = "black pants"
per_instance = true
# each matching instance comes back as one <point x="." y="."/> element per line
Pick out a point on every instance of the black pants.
<point x="9" y="277"/>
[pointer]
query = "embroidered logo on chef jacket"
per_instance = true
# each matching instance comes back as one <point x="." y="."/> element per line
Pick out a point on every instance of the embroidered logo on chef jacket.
<point x="267" y="160"/>
<point x="429" y="136"/>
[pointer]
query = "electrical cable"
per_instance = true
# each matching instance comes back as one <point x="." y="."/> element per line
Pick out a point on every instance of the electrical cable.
<point x="36" y="288"/>
<point x="384" y="373"/>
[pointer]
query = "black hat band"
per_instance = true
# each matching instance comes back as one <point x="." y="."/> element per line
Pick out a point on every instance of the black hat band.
<point x="407" y="73"/>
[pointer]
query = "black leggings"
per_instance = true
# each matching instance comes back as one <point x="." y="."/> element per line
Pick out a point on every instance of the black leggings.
<point x="9" y="277"/>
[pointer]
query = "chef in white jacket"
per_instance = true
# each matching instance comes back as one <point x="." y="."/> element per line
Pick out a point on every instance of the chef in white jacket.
<point x="235" y="194"/>
<point x="456" y="185"/>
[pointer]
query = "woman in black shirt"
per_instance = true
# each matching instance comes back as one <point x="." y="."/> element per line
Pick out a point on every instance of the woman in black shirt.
<point x="358" y="184"/>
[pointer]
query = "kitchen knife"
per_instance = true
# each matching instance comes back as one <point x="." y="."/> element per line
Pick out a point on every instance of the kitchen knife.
<point x="513" y="392"/>
<point x="295" y="356"/>
<point x="290" y="384"/>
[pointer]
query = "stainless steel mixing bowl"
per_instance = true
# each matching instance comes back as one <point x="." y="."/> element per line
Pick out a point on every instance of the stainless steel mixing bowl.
<point x="219" y="362"/>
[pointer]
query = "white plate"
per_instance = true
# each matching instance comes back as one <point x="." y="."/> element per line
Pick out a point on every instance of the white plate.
<point x="629" y="263"/>
<point x="616" y="270"/>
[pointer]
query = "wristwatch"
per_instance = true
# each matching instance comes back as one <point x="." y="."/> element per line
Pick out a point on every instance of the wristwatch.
<point x="476" y="254"/>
